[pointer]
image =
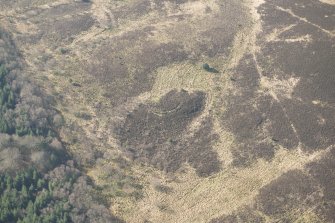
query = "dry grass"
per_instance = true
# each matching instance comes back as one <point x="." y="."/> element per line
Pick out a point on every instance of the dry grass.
<point x="196" y="199"/>
<point x="192" y="198"/>
<point x="331" y="2"/>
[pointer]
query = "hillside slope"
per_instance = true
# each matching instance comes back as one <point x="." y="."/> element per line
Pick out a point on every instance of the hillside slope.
<point x="191" y="110"/>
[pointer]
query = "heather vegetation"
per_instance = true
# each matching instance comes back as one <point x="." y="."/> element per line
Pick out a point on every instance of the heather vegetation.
<point x="167" y="111"/>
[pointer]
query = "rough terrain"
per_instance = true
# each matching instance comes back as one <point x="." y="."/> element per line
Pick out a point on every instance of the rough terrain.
<point x="253" y="142"/>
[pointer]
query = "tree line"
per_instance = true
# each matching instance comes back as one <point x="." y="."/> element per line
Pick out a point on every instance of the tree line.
<point x="39" y="182"/>
<point x="61" y="196"/>
<point x="22" y="109"/>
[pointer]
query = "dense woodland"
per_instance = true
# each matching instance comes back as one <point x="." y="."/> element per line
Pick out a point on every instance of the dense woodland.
<point x="22" y="110"/>
<point x="61" y="195"/>
<point x="39" y="181"/>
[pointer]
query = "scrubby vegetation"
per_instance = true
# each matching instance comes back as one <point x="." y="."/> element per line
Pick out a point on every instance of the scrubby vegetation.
<point x="38" y="180"/>
<point x="18" y="153"/>
<point x="207" y="68"/>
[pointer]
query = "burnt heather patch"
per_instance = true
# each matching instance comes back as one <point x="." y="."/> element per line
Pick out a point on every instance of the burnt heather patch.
<point x="155" y="134"/>
<point x="323" y="171"/>
<point x="303" y="52"/>
<point x="283" y="94"/>
<point x="299" y="191"/>
<point x="258" y="121"/>
<point x="295" y="194"/>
